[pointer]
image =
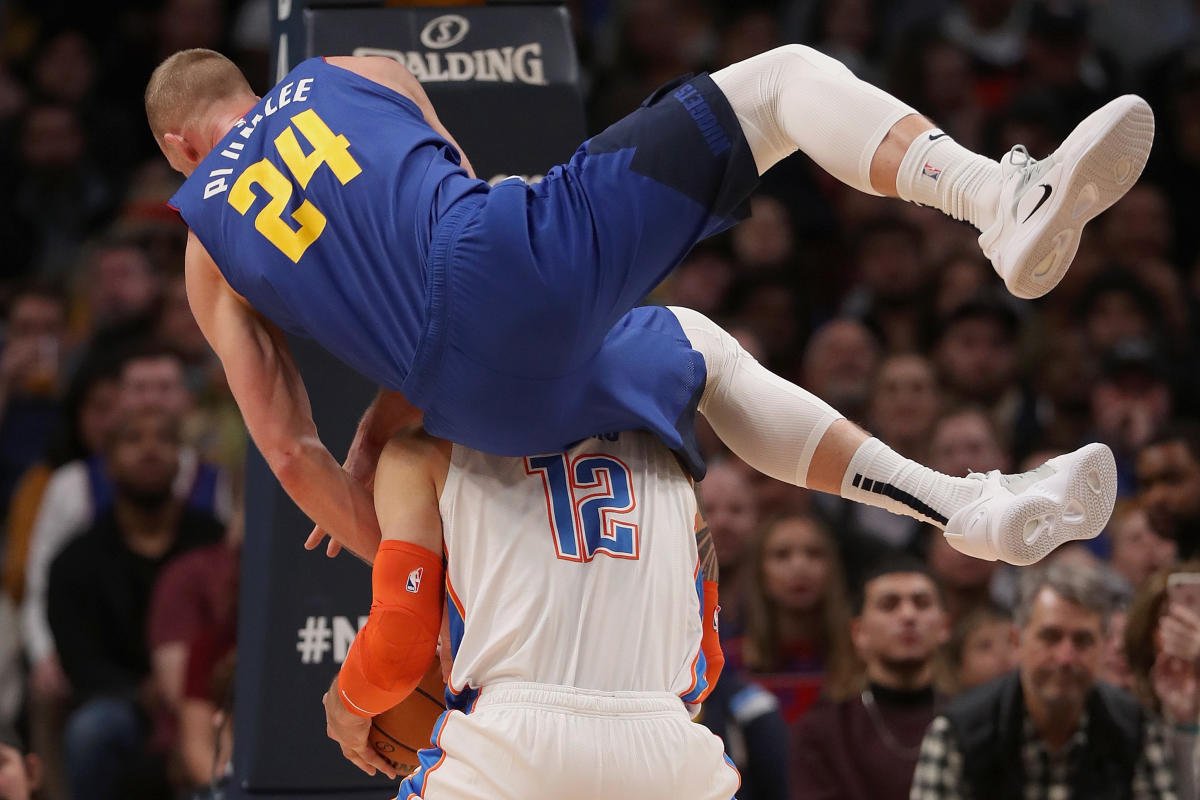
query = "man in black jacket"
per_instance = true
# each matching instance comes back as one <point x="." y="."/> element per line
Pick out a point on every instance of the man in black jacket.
<point x="98" y="599"/>
<point x="1050" y="730"/>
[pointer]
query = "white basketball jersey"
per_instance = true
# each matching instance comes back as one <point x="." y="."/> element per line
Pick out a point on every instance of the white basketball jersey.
<point x="577" y="569"/>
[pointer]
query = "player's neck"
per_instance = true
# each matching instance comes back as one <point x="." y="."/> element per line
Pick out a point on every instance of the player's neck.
<point x="219" y="127"/>
<point x="224" y="117"/>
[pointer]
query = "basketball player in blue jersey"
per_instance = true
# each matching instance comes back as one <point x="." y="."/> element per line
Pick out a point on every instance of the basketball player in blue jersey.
<point x="337" y="207"/>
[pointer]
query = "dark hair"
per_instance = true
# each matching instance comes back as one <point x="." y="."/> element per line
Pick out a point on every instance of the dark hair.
<point x="149" y="351"/>
<point x="985" y="304"/>
<point x="885" y="226"/>
<point x="1186" y="431"/>
<point x="891" y="565"/>
<point x="967" y="408"/>
<point x="983" y="614"/>
<point x="66" y="443"/>
<point x="39" y="288"/>
<point x="1118" y="279"/>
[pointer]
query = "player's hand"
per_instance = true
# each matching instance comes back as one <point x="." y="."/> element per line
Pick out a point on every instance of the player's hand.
<point x="360" y="464"/>
<point x="350" y="732"/>
<point x="316" y="537"/>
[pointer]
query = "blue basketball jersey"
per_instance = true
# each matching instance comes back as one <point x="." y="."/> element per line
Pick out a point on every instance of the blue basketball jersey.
<point x="318" y="207"/>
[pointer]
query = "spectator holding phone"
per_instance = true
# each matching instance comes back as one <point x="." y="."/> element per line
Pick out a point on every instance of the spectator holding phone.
<point x="1162" y="639"/>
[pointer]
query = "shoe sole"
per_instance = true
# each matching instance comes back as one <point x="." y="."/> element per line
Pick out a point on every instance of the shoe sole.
<point x="1105" y="156"/>
<point x="1036" y="524"/>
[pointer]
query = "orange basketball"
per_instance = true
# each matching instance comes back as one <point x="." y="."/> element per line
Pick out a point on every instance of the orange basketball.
<point x="398" y="733"/>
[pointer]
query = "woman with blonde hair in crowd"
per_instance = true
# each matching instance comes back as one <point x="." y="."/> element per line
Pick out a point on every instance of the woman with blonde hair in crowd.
<point x="1162" y="644"/>
<point x="796" y="614"/>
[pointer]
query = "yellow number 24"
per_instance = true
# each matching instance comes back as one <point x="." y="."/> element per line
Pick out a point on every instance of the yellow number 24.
<point x="327" y="148"/>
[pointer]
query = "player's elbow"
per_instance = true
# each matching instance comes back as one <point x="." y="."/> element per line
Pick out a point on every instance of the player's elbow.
<point x="289" y="458"/>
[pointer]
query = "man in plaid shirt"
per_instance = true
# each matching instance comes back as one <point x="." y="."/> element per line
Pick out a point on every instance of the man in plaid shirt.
<point x="1049" y="731"/>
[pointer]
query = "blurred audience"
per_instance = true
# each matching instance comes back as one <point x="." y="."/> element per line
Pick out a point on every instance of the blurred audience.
<point x="1050" y="729"/>
<point x="30" y="372"/>
<point x="1162" y="640"/>
<point x="98" y="601"/>
<point x="747" y="718"/>
<point x="796" y="615"/>
<point x="840" y="359"/>
<point x="982" y="647"/>
<point x="1138" y="550"/>
<point x="732" y="514"/>
<point x="20" y="770"/>
<point x="865" y="745"/>
<point x="1168" y="479"/>
<point x="853" y="296"/>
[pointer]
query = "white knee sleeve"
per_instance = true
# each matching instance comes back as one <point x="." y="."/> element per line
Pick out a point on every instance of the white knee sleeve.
<point x="796" y="98"/>
<point x="772" y="425"/>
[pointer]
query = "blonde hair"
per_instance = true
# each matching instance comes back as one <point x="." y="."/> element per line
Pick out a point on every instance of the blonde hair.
<point x="187" y="84"/>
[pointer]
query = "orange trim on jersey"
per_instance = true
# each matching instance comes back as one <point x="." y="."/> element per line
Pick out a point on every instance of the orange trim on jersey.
<point x="696" y="659"/>
<point x="442" y="760"/>
<point x="452" y="596"/>
<point x="710" y="640"/>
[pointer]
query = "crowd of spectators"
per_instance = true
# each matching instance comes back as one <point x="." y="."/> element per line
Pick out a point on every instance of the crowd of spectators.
<point x="865" y="657"/>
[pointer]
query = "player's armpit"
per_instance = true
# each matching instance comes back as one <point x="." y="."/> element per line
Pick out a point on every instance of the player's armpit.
<point x="393" y="650"/>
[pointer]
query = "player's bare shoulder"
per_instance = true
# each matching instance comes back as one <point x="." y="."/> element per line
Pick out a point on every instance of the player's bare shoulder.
<point x="414" y="454"/>
<point x="384" y="71"/>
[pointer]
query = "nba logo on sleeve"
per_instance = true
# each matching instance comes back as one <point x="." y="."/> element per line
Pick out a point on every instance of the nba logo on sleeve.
<point x="414" y="580"/>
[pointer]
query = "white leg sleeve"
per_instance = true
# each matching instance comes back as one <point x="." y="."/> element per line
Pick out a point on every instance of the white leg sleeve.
<point x="772" y="425"/>
<point x="796" y="98"/>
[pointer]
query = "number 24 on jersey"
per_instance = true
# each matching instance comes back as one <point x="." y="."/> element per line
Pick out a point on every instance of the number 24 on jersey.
<point x="328" y="148"/>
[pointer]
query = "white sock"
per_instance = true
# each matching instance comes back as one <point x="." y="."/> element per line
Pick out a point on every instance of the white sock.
<point x="879" y="476"/>
<point x="771" y="424"/>
<point x="939" y="172"/>
<point x="796" y="98"/>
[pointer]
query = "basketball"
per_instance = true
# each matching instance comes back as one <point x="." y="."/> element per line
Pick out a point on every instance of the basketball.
<point x="398" y="733"/>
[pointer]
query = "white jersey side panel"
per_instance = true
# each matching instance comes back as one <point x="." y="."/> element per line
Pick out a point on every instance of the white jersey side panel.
<point x="576" y="569"/>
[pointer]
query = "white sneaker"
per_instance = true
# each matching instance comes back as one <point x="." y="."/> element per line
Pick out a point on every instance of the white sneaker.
<point x="1021" y="518"/>
<point x="1045" y="204"/>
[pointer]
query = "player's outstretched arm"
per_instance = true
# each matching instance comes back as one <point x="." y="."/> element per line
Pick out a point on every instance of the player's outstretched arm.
<point x="274" y="404"/>
<point x="394" y="649"/>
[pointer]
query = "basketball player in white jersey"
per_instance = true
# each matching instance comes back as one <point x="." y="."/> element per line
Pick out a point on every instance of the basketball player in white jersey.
<point x="581" y="596"/>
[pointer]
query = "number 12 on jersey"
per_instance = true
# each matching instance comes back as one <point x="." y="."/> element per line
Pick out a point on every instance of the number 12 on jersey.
<point x="585" y="498"/>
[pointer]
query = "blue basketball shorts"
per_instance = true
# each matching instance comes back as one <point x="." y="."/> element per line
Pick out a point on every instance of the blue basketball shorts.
<point x="533" y="341"/>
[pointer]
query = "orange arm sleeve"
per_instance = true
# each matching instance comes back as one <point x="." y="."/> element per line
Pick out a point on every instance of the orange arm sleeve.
<point x="393" y="650"/>
<point x="710" y="640"/>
